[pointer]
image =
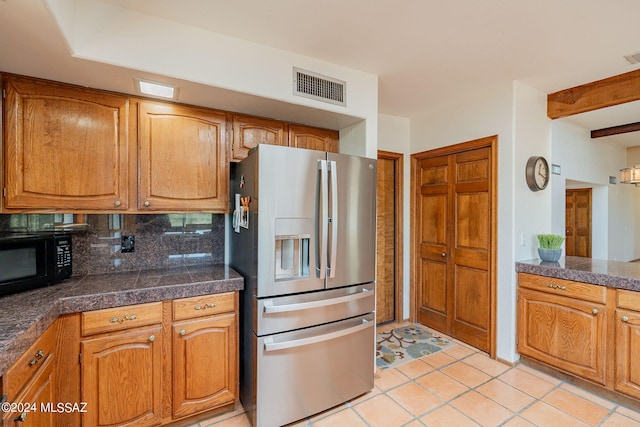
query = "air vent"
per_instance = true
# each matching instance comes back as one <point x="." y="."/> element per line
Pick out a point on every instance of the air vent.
<point x="319" y="87"/>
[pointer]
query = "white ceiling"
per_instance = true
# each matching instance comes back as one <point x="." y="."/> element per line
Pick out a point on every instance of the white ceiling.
<point x="425" y="52"/>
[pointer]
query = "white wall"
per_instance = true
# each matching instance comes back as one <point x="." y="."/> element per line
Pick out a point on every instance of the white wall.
<point x="588" y="163"/>
<point x="393" y="135"/>
<point x="517" y="114"/>
<point x="109" y="34"/>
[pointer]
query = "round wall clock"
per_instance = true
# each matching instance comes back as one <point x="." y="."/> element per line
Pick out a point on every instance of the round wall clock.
<point x="537" y="173"/>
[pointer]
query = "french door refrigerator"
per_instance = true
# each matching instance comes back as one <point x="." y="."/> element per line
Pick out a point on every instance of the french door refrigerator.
<point x="304" y="239"/>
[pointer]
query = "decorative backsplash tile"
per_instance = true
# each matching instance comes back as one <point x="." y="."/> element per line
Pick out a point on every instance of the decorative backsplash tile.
<point x="166" y="240"/>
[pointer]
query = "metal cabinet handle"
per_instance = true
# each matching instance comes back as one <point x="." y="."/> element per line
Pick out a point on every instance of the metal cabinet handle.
<point x="443" y="254"/>
<point x="552" y="286"/>
<point x="21" y="418"/>
<point x="146" y="204"/>
<point x="121" y="320"/>
<point x="594" y="311"/>
<point x="152" y="338"/>
<point x="117" y="203"/>
<point x="624" y="319"/>
<point x="202" y="307"/>
<point x="183" y="332"/>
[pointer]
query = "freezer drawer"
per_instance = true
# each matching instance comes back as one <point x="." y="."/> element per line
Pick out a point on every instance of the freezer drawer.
<point x="278" y="314"/>
<point x="305" y="372"/>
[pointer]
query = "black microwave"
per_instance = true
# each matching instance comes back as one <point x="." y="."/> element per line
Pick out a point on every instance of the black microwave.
<point x="29" y="261"/>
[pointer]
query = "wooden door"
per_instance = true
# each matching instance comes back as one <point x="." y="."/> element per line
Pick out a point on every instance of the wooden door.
<point x="454" y="241"/>
<point x="314" y="138"/>
<point x="578" y="222"/>
<point x="567" y="333"/>
<point x="65" y="147"/>
<point x="204" y="364"/>
<point x="39" y="396"/>
<point x="121" y="378"/>
<point x="249" y="131"/>
<point x="183" y="158"/>
<point x="389" y="238"/>
<point x="627" y="372"/>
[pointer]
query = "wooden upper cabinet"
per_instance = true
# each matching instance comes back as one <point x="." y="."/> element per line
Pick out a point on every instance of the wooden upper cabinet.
<point x="183" y="158"/>
<point x="249" y="131"/>
<point x="65" y="148"/>
<point x="314" y="138"/>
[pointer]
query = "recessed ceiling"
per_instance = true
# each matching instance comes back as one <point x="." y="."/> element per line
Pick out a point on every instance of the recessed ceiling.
<point x="425" y="52"/>
<point x="608" y="117"/>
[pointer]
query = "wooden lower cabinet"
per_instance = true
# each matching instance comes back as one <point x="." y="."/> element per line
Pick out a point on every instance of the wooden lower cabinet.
<point x="567" y="333"/>
<point x="204" y="364"/>
<point x="40" y="400"/>
<point x="121" y="378"/>
<point x="627" y="372"/>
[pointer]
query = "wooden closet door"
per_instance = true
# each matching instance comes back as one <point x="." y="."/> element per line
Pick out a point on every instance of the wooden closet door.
<point x="454" y="220"/>
<point x="434" y="246"/>
<point x="578" y="222"/>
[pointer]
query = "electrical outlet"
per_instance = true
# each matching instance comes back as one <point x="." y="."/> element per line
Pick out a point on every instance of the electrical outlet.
<point x="523" y="239"/>
<point x="128" y="244"/>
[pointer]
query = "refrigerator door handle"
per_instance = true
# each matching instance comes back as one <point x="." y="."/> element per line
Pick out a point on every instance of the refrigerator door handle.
<point x="323" y="219"/>
<point x="269" y="345"/>
<point x="270" y="307"/>
<point x="331" y="267"/>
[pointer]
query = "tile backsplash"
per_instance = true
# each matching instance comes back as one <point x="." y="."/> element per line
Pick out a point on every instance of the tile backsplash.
<point x="166" y="240"/>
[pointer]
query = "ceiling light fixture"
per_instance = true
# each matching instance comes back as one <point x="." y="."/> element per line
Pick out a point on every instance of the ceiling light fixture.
<point x="161" y="90"/>
<point x="630" y="175"/>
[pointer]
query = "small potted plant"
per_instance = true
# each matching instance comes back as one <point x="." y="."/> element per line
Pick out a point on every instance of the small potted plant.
<point x="550" y="246"/>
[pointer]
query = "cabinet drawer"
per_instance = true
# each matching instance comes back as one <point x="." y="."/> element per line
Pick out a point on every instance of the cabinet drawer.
<point x="629" y="299"/>
<point x="563" y="287"/>
<point x="29" y="363"/>
<point x="119" y="318"/>
<point x="206" y="305"/>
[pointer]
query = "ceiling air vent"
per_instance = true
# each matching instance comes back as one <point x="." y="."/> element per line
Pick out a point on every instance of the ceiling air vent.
<point x="633" y="58"/>
<point x="319" y="87"/>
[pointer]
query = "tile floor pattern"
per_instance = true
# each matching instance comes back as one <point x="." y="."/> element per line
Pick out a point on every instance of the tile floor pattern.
<point x="460" y="387"/>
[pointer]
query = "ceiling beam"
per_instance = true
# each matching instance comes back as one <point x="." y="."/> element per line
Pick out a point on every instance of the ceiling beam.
<point x="615" y="130"/>
<point x="592" y="96"/>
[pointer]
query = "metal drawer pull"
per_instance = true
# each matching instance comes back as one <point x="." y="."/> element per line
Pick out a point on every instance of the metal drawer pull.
<point x="202" y="307"/>
<point x="21" y="418"/>
<point x="552" y="286"/>
<point x="269" y="345"/>
<point x="118" y="320"/>
<point x="594" y="311"/>
<point x="624" y="319"/>
<point x="183" y="332"/>
<point x="39" y="355"/>
<point x="152" y="338"/>
<point x="270" y="307"/>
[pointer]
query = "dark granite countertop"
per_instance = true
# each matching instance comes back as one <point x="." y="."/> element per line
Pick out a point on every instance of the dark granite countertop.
<point x="614" y="274"/>
<point x="26" y="315"/>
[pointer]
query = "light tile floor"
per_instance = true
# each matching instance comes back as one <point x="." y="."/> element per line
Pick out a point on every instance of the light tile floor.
<point x="461" y="386"/>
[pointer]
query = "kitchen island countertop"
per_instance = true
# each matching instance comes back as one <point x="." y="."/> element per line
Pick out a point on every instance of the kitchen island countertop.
<point x="25" y="316"/>
<point x="614" y="274"/>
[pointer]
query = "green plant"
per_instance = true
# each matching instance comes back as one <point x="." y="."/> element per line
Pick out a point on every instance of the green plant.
<point x="550" y="241"/>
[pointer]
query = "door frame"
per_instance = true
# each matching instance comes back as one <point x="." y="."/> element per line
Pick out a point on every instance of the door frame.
<point x="490" y="142"/>
<point x="398" y="292"/>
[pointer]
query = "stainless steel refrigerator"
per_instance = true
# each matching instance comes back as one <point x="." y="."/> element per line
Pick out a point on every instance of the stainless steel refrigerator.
<point x="304" y="239"/>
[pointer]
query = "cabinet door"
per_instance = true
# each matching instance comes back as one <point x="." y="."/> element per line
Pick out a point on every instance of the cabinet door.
<point x="65" y="147"/>
<point x="627" y="376"/>
<point x="314" y="138"/>
<point x="205" y="365"/>
<point x="249" y="131"/>
<point x="566" y="333"/>
<point x="183" y="158"/>
<point x="121" y="378"/>
<point x="39" y="396"/>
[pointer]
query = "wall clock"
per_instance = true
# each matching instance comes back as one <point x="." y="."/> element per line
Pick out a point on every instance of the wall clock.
<point x="537" y="173"/>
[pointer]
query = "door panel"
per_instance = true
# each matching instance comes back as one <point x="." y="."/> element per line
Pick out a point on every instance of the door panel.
<point x="385" y="241"/>
<point x="578" y="222"/>
<point x="454" y="221"/>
